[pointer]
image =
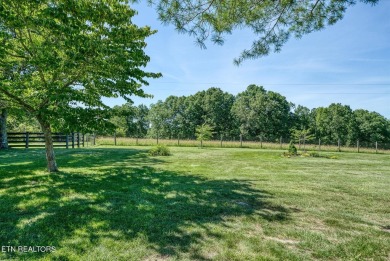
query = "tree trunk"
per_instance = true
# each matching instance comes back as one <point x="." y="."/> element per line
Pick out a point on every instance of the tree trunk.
<point x="50" y="157"/>
<point x="3" y="129"/>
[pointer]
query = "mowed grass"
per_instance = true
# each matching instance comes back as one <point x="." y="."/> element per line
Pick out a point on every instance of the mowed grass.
<point x="120" y="141"/>
<point x="118" y="203"/>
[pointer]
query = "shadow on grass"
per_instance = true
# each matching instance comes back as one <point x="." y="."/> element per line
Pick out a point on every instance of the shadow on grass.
<point x="122" y="196"/>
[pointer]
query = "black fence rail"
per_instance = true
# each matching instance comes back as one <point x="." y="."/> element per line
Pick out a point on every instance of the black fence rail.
<point x="37" y="139"/>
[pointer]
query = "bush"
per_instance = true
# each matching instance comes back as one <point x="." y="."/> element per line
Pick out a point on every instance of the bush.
<point x="159" y="150"/>
<point x="292" y="150"/>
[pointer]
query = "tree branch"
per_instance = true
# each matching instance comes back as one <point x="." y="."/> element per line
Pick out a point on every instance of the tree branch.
<point x="17" y="99"/>
<point x="201" y="12"/>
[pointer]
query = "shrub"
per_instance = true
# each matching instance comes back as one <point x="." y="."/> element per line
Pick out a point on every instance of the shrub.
<point x="292" y="150"/>
<point x="159" y="150"/>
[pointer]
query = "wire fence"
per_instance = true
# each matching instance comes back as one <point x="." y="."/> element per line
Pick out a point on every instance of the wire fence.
<point x="283" y="144"/>
<point x="73" y="140"/>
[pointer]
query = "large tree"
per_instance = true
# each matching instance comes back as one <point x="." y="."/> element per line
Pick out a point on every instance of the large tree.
<point x="59" y="58"/>
<point x="271" y="21"/>
<point x="3" y="124"/>
<point x="371" y="126"/>
<point x="261" y="113"/>
<point x="335" y="123"/>
<point x="217" y="107"/>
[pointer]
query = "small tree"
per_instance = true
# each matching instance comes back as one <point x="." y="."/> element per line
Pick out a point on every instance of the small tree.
<point x="204" y="132"/>
<point x="303" y="135"/>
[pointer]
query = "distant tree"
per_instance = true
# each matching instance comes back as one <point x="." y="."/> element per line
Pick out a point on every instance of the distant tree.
<point x="130" y="120"/>
<point x="342" y="123"/>
<point x="388" y="131"/>
<point x="194" y="112"/>
<point x="261" y="113"/>
<point x="142" y="122"/>
<point x="334" y="123"/>
<point x="249" y="112"/>
<point x="273" y="22"/>
<point x="302" y="118"/>
<point x="217" y="106"/>
<point x="176" y="123"/>
<point x="122" y="118"/>
<point x="371" y="126"/>
<point x="322" y="121"/>
<point x="158" y="117"/>
<point x="213" y="107"/>
<point x="59" y="58"/>
<point x="204" y="132"/>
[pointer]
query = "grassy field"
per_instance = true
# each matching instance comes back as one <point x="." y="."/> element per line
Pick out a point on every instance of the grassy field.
<point x="110" y="141"/>
<point x="118" y="203"/>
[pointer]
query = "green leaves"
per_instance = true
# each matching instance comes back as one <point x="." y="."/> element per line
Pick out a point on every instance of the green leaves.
<point x="261" y="113"/>
<point x="204" y="132"/>
<point x="59" y="58"/>
<point x="63" y="56"/>
<point x="272" y="22"/>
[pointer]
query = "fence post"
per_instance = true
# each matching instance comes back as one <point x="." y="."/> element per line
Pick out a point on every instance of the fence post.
<point x="72" y="140"/>
<point x="240" y="140"/>
<point x="115" y="138"/>
<point x="261" y="141"/>
<point x="94" y="139"/>
<point x="27" y="139"/>
<point x="376" y="147"/>
<point x="67" y="141"/>
<point x="357" y="145"/>
<point x="78" y="139"/>
<point x="83" y="140"/>
<point x="221" y="140"/>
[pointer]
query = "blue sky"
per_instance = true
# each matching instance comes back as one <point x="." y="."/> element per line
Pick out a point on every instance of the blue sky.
<point x="348" y="63"/>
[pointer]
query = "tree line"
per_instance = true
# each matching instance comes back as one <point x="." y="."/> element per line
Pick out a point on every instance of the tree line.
<point x="254" y="114"/>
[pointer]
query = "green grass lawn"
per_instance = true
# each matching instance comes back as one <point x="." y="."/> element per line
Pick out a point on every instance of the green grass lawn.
<point x="118" y="203"/>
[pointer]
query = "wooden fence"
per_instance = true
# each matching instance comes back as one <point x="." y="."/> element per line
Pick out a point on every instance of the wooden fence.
<point x="37" y="139"/>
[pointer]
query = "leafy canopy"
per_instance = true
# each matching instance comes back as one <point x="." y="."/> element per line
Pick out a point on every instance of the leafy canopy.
<point x="273" y="22"/>
<point x="204" y="132"/>
<point x="59" y="58"/>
